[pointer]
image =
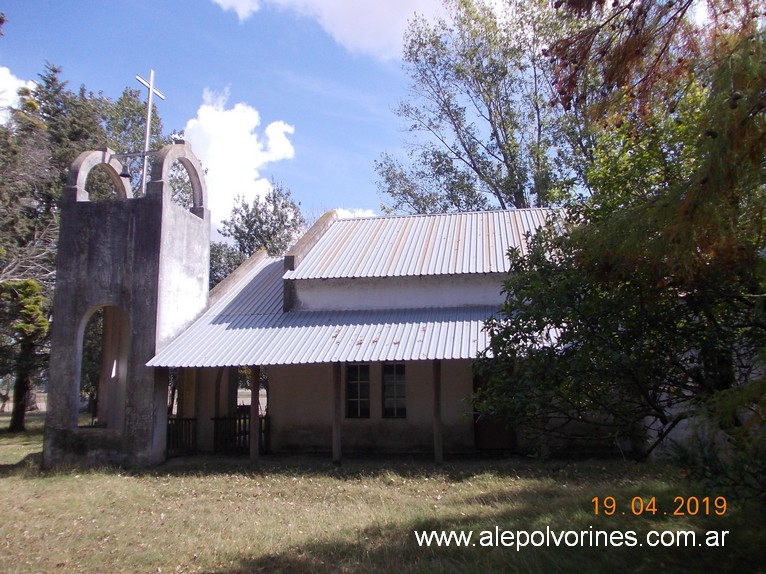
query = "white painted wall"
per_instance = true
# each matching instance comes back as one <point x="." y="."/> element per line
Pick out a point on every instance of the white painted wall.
<point x="399" y="292"/>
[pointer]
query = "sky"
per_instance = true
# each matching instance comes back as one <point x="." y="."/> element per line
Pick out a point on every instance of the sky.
<point x="301" y="92"/>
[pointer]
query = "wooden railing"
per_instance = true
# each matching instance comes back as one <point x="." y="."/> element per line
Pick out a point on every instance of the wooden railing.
<point x="182" y="436"/>
<point x="231" y="434"/>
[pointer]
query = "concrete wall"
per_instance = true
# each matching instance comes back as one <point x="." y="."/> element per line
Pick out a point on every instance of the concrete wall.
<point x="145" y="260"/>
<point x="183" y="273"/>
<point x="301" y="410"/>
<point x="389" y="292"/>
<point x="301" y="407"/>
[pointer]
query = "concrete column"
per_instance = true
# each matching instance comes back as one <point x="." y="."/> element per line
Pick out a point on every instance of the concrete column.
<point x="337" y="414"/>
<point x="436" y="367"/>
<point x="255" y="435"/>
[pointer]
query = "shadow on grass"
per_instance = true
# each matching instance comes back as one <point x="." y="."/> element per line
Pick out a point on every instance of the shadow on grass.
<point x="458" y="469"/>
<point x="28" y="466"/>
<point x="34" y="423"/>
<point x="385" y="548"/>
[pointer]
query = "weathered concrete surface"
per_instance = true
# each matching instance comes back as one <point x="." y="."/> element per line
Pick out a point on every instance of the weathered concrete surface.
<point x="145" y="260"/>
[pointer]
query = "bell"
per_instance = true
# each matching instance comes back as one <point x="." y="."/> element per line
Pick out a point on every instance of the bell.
<point x="125" y="173"/>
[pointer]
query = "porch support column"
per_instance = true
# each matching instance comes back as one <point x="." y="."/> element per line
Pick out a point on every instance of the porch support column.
<point x="337" y="414"/>
<point x="255" y="421"/>
<point x="436" y="370"/>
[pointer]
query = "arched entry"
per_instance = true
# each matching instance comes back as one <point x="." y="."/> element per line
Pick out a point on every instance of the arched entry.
<point x="104" y="365"/>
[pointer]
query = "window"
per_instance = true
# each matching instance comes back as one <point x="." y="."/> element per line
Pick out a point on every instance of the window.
<point x="394" y="403"/>
<point x="358" y="391"/>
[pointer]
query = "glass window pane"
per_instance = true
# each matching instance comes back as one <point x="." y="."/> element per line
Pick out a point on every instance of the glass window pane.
<point x="393" y="390"/>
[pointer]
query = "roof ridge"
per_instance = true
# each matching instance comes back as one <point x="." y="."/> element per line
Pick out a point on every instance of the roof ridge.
<point x="444" y="214"/>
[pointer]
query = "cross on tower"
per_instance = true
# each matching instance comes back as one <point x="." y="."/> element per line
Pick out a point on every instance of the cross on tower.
<point x="152" y="91"/>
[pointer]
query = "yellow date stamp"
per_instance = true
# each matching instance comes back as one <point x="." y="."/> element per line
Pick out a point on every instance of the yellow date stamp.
<point x="639" y="506"/>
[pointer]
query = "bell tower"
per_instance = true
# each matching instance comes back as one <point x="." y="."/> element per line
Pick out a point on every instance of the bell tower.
<point x="145" y="262"/>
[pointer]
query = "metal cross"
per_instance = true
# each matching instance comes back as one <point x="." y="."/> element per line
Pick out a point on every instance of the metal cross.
<point x="152" y="91"/>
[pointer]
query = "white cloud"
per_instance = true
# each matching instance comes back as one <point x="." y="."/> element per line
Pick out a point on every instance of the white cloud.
<point x="372" y="27"/>
<point x="344" y="213"/>
<point x="9" y="85"/>
<point x="229" y="147"/>
<point x="243" y="8"/>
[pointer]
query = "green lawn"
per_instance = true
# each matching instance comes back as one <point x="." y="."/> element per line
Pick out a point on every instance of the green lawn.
<point x="302" y="514"/>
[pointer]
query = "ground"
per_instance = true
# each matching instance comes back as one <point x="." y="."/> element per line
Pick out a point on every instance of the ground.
<point x="302" y="514"/>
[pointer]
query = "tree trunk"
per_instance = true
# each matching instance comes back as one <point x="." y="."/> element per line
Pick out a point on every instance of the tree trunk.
<point x="21" y="385"/>
<point x="32" y="399"/>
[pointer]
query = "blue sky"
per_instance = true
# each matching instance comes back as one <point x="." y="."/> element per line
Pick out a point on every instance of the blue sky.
<point x="299" y="91"/>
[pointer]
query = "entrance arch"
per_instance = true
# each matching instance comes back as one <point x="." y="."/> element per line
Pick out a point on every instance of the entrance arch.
<point x="112" y="350"/>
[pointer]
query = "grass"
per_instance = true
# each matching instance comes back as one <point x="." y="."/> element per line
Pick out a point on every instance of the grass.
<point x="302" y="514"/>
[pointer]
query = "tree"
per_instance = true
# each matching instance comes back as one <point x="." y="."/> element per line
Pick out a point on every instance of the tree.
<point x="647" y="299"/>
<point x="224" y="259"/>
<point x="125" y="125"/>
<point x="72" y="122"/>
<point x="27" y="247"/>
<point x="617" y="354"/>
<point x="24" y="328"/>
<point x="29" y="226"/>
<point x="271" y="223"/>
<point x="480" y="105"/>
<point x="49" y="129"/>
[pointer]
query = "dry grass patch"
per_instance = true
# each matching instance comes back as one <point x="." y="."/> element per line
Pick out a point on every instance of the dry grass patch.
<point x="294" y="514"/>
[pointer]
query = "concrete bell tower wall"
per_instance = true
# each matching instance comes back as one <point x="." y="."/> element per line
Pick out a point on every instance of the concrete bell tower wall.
<point x="145" y="260"/>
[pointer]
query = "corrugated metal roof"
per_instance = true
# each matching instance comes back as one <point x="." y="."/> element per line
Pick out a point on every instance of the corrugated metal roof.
<point x="247" y="327"/>
<point x="443" y="244"/>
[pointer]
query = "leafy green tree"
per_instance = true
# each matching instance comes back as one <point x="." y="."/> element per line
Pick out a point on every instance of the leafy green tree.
<point x="272" y="223"/>
<point x="224" y="259"/>
<point x="27" y="247"/>
<point x="614" y="355"/>
<point x="72" y="122"/>
<point x="487" y="136"/>
<point x="645" y="303"/>
<point x="24" y="323"/>
<point x="49" y="129"/>
<point x="125" y="123"/>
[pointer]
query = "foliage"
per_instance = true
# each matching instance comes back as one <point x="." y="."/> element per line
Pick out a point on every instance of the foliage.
<point x="125" y="122"/>
<point x="28" y="232"/>
<point x="727" y="450"/>
<point x="617" y="355"/>
<point x="72" y="123"/>
<point x="647" y="299"/>
<point x="23" y="314"/>
<point x="24" y="328"/>
<point x="49" y="129"/>
<point x="90" y="370"/>
<point x="480" y="106"/>
<point x="224" y="259"/>
<point x="271" y="223"/>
